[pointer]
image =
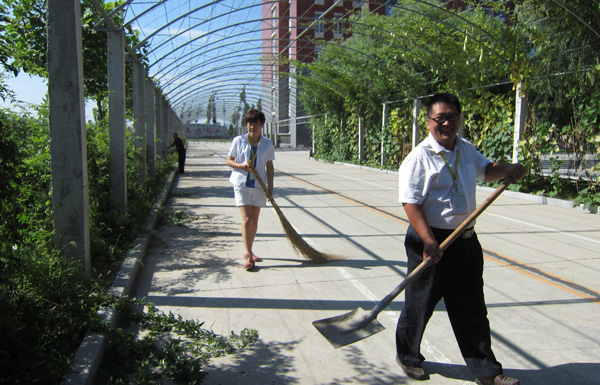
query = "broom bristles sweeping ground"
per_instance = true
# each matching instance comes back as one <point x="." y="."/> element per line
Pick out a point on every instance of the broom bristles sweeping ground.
<point x="298" y="243"/>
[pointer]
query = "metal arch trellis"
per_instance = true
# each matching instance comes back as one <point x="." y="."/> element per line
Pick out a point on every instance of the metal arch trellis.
<point x="223" y="28"/>
<point x="219" y="29"/>
<point x="157" y="31"/>
<point x="192" y="69"/>
<point x="221" y="89"/>
<point x="173" y="64"/>
<point x="214" y="85"/>
<point x="232" y="66"/>
<point x="191" y="27"/>
<point x="107" y="19"/>
<point x="218" y="89"/>
<point x="165" y="66"/>
<point x="195" y="10"/>
<point x="307" y="28"/>
<point x="166" y="72"/>
<point x="195" y="51"/>
<point x="231" y="55"/>
<point x="147" y="10"/>
<point x="194" y="91"/>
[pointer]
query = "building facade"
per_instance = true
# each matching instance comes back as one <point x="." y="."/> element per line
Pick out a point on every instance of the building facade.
<point x="292" y="31"/>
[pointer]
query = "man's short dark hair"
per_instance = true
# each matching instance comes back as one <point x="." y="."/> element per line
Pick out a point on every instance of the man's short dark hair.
<point x="253" y="116"/>
<point x="443" y="98"/>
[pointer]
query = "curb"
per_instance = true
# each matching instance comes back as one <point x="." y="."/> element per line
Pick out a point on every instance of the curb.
<point x="88" y="358"/>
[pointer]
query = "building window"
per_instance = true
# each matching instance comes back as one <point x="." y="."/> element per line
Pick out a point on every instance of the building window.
<point x="317" y="50"/>
<point x="338" y="26"/>
<point x="319" y="2"/>
<point x="319" y="25"/>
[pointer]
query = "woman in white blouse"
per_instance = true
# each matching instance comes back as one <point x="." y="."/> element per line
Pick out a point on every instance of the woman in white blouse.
<point x="248" y="152"/>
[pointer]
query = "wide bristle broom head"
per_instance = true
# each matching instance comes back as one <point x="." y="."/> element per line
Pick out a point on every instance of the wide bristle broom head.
<point x="298" y="243"/>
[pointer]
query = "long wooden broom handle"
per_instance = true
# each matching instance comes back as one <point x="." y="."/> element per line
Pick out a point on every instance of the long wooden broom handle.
<point x="423" y="265"/>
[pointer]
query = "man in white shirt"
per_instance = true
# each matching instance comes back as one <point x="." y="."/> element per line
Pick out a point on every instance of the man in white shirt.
<point x="437" y="183"/>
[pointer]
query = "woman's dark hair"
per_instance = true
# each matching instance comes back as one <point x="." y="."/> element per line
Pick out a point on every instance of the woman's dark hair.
<point x="253" y="116"/>
<point x="443" y="98"/>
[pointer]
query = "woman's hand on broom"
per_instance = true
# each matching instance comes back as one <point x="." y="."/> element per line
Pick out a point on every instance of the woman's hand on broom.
<point x="247" y="167"/>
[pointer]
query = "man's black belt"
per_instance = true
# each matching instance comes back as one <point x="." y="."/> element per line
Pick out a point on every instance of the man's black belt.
<point x="468" y="233"/>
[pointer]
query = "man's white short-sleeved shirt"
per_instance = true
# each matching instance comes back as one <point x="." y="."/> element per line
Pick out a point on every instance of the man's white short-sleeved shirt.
<point x="240" y="151"/>
<point x="424" y="179"/>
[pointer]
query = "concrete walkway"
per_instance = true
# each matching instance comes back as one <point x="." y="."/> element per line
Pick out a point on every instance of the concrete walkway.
<point x="542" y="286"/>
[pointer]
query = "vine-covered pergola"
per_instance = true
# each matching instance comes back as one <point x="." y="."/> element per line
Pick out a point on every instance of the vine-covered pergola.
<point x="184" y="55"/>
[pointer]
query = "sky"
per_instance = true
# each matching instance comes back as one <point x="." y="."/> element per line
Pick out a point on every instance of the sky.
<point x="32" y="90"/>
<point x="28" y="89"/>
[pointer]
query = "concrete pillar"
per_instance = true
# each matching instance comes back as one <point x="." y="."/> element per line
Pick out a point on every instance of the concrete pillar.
<point x="416" y="138"/>
<point x="341" y="133"/>
<point x="150" y="128"/>
<point x="521" y="111"/>
<point x="171" y="124"/>
<point x="157" y="122"/>
<point x="292" y="109"/>
<point x="139" y="117"/>
<point x="164" y="126"/>
<point x="116" y="119"/>
<point x="68" y="151"/>
<point x="384" y="116"/>
<point x="361" y="140"/>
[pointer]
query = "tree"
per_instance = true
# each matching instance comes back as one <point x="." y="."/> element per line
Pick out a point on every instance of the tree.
<point x="243" y="106"/>
<point x="235" y="117"/>
<point x="211" y="109"/>
<point x="23" y="43"/>
<point x="214" y="109"/>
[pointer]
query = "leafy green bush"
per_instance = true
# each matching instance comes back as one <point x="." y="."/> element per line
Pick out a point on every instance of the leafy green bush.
<point x="47" y="307"/>
<point x="164" y="346"/>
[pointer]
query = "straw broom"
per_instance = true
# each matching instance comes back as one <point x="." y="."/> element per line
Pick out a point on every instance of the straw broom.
<point x="299" y="244"/>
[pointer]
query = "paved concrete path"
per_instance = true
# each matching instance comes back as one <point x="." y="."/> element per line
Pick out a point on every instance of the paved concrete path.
<point x="542" y="286"/>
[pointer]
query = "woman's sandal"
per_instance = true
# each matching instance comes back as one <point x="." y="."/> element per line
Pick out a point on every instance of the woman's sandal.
<point x="249" y="264"/>
<point x="256" y="258"/>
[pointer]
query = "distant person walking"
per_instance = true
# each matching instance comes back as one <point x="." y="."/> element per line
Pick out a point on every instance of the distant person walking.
<point x="180" y="148"/>
<point x="437" y="184"/>
<point x="248" y="152"/>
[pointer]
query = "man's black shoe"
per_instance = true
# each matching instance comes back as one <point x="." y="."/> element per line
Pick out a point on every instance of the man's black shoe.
<point x="416" y="372"/>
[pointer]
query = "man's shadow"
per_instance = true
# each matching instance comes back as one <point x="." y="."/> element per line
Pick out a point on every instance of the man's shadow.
<point x="577" y="373"/>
